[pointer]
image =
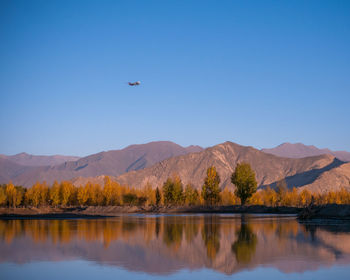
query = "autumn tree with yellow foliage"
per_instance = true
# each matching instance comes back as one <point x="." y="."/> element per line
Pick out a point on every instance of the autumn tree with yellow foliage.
<point x="3" y="196"/>
<point x="210" y="188"/>
<point x="13" y="197"/>
<point x="67" y="191"/>
<point x="191" y="195"/>
<point x="54" y="194"/>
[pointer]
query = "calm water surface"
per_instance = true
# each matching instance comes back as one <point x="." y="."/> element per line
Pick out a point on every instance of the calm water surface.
<point x="174" y="247"/>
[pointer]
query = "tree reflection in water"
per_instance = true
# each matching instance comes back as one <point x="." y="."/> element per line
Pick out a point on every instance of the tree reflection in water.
<point x="191" y="228"/>
<point x="245" y="246"/>
<point x="160" y="244"/>
<point x="157" y="229"/>
<point x="173" y="228"/>
<point x="211" y="235"/>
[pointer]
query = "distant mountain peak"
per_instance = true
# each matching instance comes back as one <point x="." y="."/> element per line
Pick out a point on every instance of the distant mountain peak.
<point x="26" y="159"/>
<point x="300" y="150"/>
<point x="23" y="154"/>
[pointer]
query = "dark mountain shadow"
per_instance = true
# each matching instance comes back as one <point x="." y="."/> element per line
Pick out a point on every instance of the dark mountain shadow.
<point x="307" y="177"/>
<point x="140" y="163"/>
<point x="81" y="167"/>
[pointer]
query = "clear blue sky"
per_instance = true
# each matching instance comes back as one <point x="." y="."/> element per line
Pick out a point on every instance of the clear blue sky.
<point x="257" y="73"/>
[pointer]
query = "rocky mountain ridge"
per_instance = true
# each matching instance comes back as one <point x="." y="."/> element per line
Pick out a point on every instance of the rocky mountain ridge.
<point x="269" y="169"/>
<point x="299" y="150"/>
<point x="154" y="162"/>
<point x="113" y="163"/>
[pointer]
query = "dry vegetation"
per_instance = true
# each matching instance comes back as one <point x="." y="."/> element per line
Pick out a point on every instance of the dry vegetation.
<point x="112" y="194"/>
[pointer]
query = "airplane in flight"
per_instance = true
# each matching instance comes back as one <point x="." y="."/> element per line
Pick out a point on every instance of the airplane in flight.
<point x="134" y="84"/>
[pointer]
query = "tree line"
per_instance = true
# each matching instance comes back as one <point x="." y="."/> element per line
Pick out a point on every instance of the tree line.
<point x="171" y="193"/>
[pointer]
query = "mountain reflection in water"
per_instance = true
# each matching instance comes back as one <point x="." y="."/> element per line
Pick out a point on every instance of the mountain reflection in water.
<point x="166" y="244"/>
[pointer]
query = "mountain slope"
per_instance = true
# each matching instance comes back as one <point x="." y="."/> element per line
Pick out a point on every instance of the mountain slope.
<point x="114" y="163"/>
<point x="32" y="160"/>
<point x="269" y="168"/>
<point x="9" y="170"/>
<point x="299" y="150"/>
<point x="332" y="180"/>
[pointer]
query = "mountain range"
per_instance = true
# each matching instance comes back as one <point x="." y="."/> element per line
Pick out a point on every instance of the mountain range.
<point x="154" y="162"/>
<point x="268" y="168"/>
<point x="113" y="163"/>
<point x="299" y="150"/>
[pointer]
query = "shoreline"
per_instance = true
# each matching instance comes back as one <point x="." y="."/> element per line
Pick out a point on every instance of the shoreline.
<point x="50" y="216"/>
<point x="91" y="212"/>
<point x="329" y="211"/>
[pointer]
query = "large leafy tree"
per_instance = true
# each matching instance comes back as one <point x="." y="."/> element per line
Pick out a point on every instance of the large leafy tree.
<point x="210" y="188"/>
<point x="11" y="195"/>
<point x="281" y="190"/>
<point x="2" y="195"/>
<point x="108" y="191"/>
<point x="191" y="196"/>
<point x="244" y="179"/>
<point x="173" y="191"/>
<point x="158" y="197"/>
<point x="82" y="195"/>
<point x="168" y="189"/>
<point x="55" y="194"/>
<point x="33" y="195"/>
<point x="67" y="193"/>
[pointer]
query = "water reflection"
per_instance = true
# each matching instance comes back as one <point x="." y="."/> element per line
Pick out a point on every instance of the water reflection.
<point x="211" y="236"/>
<point x="245" y="245"/>
<point x="165" y="244"/>
<point x="172" y="234"/>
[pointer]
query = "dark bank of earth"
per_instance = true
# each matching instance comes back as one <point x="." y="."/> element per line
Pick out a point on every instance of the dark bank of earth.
<point x="329" y="211"/>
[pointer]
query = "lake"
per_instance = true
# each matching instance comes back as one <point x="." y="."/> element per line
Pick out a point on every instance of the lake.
<point x="227" y="246"/>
